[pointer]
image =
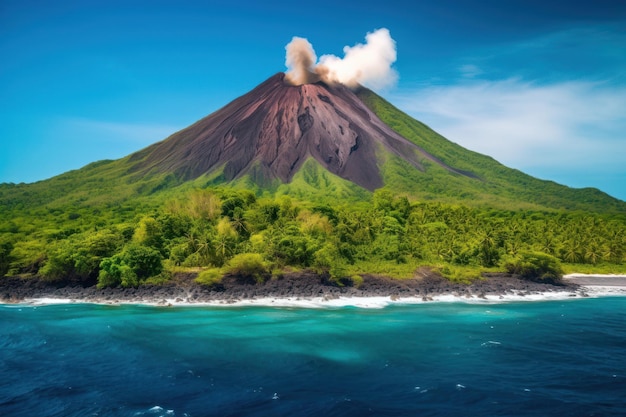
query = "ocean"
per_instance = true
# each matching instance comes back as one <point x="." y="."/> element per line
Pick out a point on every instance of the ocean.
<point x="540" y="358"/>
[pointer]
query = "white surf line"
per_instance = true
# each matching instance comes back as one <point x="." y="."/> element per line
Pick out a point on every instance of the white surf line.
<point x="597" y="288"/>
<point x="340" y="302"/>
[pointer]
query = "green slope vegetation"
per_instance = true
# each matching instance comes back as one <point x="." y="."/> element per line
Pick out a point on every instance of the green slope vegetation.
<point x="217" y="230"/>
<point x="496" y="185"/>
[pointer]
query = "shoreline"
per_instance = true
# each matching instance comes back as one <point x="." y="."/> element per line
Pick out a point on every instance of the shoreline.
<point x="308" y="290"/>
<point x="595" y="280"/>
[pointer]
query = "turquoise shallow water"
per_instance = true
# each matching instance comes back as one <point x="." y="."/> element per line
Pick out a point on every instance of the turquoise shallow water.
<point x="453" y="359"/>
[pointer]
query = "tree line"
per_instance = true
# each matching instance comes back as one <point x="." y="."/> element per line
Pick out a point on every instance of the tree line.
<point x="221" y="230"/>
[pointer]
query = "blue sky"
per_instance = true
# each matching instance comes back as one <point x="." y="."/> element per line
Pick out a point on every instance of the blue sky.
<point x="538" y="85"/>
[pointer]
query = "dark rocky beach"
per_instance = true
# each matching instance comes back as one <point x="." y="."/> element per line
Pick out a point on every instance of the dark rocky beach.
<point x="297" y="285"/>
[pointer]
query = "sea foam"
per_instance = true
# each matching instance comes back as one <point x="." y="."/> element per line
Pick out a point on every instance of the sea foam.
<point x="593" y="286"/>
<point x="357" y="302"/>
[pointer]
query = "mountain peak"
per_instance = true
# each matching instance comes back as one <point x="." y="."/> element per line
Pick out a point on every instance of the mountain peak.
<point x="275" y="128"/>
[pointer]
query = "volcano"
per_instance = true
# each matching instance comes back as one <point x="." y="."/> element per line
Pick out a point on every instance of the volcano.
<point x="317" y="142"/>
<point x="272" y="130"/>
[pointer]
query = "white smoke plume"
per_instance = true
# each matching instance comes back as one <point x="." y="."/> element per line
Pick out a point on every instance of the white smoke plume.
<point x="300" y="60"/>
<point x="368" y="64"/>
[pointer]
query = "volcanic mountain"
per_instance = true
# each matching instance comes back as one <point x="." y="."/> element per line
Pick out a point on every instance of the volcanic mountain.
<point x="272" y="130"/>
<point x="313" y="141"/>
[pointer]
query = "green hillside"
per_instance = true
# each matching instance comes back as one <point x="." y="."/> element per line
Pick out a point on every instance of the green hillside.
<point x="106" y="223"/>
<point x="495" y="185"/>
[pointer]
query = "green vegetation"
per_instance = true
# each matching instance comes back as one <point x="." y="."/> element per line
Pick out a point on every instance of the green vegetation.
<point x="211" y="276"/>
<point x="232" y="231"/>
<point x="6" y="248"/>
<point x="247" y="265"/>
<point x="494" y="184"/>
<point x="132" y="266"/>
<point x="535" y="266"/>
<point x="107" y="225"/>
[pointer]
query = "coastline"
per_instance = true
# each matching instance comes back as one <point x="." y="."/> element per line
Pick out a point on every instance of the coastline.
<point x="595" y="280"/>
<point x="309" y="290"/>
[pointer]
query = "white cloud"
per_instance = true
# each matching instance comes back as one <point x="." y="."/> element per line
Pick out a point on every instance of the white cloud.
<point x="470" y="70"/>
<point x="529" y="126"/>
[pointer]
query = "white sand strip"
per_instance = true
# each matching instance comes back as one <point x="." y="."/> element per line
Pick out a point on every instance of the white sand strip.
<point x="593" y="280"/>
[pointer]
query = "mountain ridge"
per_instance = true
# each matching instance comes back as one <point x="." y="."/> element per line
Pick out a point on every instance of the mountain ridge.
<point x="279" y="125"/>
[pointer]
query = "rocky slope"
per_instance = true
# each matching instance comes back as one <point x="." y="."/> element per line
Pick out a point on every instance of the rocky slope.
<point x="302" y="285"/>
<point x="272" y="130"/>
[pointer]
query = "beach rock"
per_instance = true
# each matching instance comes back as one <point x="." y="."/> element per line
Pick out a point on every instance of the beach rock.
<point x="302" y="285"/>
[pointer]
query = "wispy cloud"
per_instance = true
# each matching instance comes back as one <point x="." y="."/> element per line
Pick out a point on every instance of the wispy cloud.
<point x="470" y="70"/>
<point x="115" y="132"/>
<point x="570" y="132"/>
<point x="526" y="125"/>
<point x="591" y="52"/>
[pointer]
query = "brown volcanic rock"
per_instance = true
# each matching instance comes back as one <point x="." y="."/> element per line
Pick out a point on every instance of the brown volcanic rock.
<point x="274" y="128"/>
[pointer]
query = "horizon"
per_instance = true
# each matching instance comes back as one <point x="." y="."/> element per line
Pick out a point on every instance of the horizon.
<point x="538" y="86"/>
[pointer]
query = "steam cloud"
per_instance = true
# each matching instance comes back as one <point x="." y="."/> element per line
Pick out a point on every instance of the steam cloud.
<point x="300" y="60"/>
<point x="367" y="64"/>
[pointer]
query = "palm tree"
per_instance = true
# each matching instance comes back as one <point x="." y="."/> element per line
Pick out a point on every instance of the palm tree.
<point x="239" y="223"/>
<point x="593" y="253"/>
<point x="571" y="251"/>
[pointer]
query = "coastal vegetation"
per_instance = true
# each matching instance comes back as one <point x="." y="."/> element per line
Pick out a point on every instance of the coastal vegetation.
<point x="220" y="230"/>
<point x="537" y="266"/>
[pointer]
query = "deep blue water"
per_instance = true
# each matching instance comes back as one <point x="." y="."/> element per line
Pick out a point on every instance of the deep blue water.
<point x="565" y="358"/>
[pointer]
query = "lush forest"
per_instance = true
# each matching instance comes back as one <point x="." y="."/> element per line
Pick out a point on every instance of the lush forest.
<point x="214" y="231"/>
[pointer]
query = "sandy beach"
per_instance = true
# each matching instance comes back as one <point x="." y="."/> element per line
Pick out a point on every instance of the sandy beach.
<point x="595" y="280"/>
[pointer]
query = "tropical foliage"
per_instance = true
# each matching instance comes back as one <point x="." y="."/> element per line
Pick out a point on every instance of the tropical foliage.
<point x="536" y="266"/>
<point x="234" y="231"/>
